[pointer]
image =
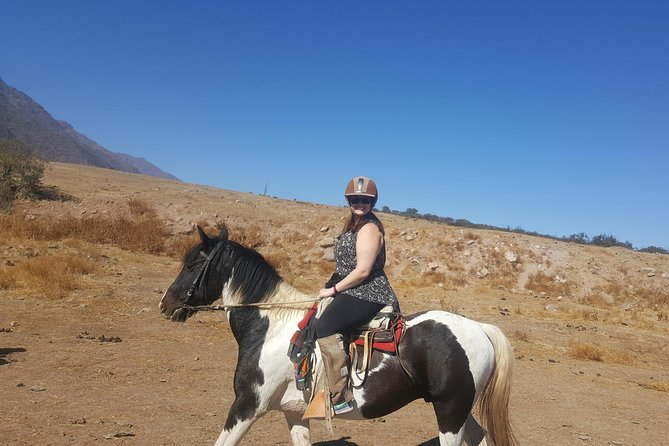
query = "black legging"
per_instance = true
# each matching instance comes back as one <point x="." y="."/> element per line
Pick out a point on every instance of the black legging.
<point x="345" y="313"/>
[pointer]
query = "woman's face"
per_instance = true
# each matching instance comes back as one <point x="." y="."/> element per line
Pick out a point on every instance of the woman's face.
<point x="360" y="205"/>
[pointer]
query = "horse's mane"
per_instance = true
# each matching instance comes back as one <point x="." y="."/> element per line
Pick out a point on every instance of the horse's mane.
<point x="254" y="279"/>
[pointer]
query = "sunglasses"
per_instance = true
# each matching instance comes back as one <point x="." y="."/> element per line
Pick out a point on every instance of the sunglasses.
<point x="359" y="200"/>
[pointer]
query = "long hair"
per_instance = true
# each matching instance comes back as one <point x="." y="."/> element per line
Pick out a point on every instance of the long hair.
<point x="354" y="224"/>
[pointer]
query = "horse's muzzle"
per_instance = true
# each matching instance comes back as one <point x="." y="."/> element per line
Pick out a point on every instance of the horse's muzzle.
<point x="171" y="308"/>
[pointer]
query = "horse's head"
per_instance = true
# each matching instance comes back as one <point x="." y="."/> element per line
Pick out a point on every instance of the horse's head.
<point x="201" y="278"/>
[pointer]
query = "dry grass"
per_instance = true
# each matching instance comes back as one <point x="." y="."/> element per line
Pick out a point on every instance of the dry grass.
<point x="519" y="335"/>
<point x="659" y="386"/>
<point x="540" y="282"/>
<point x="146" y="233"/>
<point x="585" y="352"/>
<point x="620" y="292"/>
<point x="251" y="236"/>
<point x="7" y="277"/>
<point x="591" y="352"/>
<point x="53" y="276"/>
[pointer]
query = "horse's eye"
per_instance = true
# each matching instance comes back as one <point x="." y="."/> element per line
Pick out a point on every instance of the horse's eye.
<point x="197" y="261"/>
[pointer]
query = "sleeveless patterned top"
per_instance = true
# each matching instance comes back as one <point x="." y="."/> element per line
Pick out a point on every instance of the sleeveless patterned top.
<point x="375" y="288"/>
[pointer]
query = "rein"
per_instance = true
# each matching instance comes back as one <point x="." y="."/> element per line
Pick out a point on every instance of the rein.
<point x="262" y="305"/>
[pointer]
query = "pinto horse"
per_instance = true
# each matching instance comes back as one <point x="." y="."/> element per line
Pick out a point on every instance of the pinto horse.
<point x="446" y="359"/>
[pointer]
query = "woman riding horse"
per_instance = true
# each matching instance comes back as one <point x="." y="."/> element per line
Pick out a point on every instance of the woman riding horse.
<point x="359" y="286"/>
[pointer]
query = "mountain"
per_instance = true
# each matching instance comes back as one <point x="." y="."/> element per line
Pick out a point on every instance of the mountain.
<point x="24" y="119"/>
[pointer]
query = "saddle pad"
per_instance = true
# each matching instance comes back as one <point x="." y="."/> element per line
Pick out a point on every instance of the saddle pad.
<point x="384" y="340"/>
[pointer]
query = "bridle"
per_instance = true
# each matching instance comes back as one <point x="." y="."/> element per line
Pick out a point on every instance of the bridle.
<point x="199" y="278"/>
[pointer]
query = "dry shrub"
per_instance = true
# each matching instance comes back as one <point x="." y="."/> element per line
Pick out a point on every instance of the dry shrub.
<point x="178" y="246"/>
<point x="279" y="259"/>
<point x="53" y="276"/>
<point x="412" y="279"/>
<point x="540" y="282"/>
<point x="585" y="352"/>
<point x="431" y="278"/>
<point x="323" y="268"/>
<point x="7" y="277"/>
<point x="623" y="293"/>
<point x="250" y="236"/>
<point x="140" y="208"/>
<point x="590" y="352"/>
<point x="144" y="233"/>
<point x="653" y="296"/>
<point x="469" y="235"/>
<point x="520" y="335"/>
<point x="660" y="386"/>
<point x="585" y="314"/>
<point x="448" y="305"/>
<point x="502" y="272"/>
<point x="620" y="357"/>
<point x="595" y="298"/>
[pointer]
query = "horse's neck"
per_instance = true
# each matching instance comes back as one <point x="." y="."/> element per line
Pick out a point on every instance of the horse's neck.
<point x="289" y="304"/>
<point x="286" y="293"/>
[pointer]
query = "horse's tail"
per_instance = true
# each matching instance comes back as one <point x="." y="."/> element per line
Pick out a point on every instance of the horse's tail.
<point x="493" y="404"/>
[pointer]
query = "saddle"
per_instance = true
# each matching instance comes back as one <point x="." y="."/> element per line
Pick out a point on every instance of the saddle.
<point x="382" y="333"/>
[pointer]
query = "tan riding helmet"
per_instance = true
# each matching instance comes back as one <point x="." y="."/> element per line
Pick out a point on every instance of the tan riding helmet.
<point x="362" y="186"/>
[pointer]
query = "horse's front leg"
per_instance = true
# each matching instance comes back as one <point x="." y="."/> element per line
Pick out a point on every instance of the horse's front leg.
<point x="292" y="404"/>
<point x="299" y="429"/>
<point x="243" y="413"/>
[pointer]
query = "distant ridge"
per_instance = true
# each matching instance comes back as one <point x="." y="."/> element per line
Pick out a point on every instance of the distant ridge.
<point x="24" y="119"/>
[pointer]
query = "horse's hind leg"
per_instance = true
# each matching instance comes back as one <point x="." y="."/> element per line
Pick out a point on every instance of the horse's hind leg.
<point x="474" y="433"/>
<point x="451" y="421"/>
<point x="299" y="429"/>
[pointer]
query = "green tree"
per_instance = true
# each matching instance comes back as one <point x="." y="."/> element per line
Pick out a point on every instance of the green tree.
<point x="20" y="173"/>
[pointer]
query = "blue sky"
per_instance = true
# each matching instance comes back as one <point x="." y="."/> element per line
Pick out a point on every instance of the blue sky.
<point x="550" y="116"/>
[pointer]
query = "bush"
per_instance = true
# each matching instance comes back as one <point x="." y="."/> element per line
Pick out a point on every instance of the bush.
<point x="20" y="173"/>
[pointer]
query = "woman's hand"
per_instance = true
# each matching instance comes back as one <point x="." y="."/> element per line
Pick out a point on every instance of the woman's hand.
<point x="326" y="292"/>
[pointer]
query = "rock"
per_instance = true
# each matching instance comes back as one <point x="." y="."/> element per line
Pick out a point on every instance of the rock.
<point x="433" y="266"/>
<point x="482" y="273"/>
<point x="327" y="242"/>
<point x="325" y="228"/>
<point x="511" y="256"/>
<point x="119" y="435"/>
<point x="471" y="242"/>
<point x="328" y="254"/>
<point x="184" y="228"/>
<point x="551" y="308"/>
<point x="585" y="437"/>
<point x="38" y="389"/>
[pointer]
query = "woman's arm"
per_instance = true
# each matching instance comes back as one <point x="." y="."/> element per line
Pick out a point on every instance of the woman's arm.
<point x="367" y="248"/>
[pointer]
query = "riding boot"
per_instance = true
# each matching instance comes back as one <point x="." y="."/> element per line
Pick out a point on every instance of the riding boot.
<point x="336" y="363"/>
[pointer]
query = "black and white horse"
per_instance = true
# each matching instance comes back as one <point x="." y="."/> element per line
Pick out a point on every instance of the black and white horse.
<point x="448" y="360"/>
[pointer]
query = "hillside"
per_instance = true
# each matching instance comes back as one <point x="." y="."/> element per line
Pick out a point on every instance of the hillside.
<point x="24" y="119"/>
<point x="589" y="325"/>
<point x="423" y="254"/>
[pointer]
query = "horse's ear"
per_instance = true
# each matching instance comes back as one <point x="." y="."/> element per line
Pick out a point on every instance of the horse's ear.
<point x="203" y="236"/>
<point x="224" y="233"/>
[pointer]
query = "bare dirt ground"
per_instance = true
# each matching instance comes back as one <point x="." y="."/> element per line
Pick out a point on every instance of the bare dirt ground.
<point x="100" y="366"/>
